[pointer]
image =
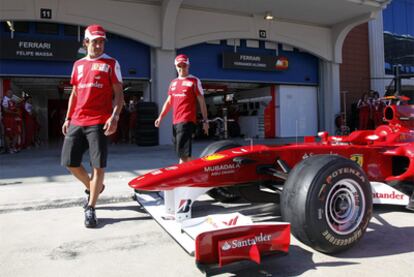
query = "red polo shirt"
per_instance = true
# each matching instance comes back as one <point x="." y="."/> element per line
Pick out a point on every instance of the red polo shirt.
<point x="184" y="92"/>
<point x="93" y="79"/>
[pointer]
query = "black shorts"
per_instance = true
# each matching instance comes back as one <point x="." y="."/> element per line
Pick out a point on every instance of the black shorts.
<point x="182" y="137"/>
<point x="81" y="138"/>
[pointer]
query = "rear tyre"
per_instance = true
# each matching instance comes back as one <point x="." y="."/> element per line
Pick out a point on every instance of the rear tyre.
<point x="222" y="194"/>
<point x="328" y="201"/>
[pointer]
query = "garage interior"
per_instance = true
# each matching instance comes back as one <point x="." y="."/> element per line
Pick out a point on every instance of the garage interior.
<point x="50" y="97"/>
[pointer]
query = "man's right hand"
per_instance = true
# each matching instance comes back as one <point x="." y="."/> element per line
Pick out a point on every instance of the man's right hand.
<point x="65" y="127"/>
<point x="157" y="122"/>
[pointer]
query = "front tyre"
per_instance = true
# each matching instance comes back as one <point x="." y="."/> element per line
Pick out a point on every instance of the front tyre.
<point x="328" y="201"/>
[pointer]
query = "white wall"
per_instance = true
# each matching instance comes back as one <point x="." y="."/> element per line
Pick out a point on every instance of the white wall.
<point x="376" y="55"/>
<point x="162" y="75"/>
<point x="297" y="111"/>
<point x="169" y="26"/>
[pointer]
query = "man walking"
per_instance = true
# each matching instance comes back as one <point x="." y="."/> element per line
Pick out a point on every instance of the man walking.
<point x="93" y="113"/>
<point x="183" y="94"/>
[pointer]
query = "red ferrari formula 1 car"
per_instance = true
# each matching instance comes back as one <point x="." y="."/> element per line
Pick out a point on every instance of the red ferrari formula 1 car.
<point x="325" y="186"/>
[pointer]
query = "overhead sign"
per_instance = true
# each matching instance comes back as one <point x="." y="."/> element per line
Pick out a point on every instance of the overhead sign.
<point x="254" y="62"/>
<point x="262" y="34"/>
<point x="45" y="50"/>
<point x="46" y="13"/>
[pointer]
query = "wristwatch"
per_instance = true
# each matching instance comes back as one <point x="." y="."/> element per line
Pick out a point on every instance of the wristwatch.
<point x="116" y="117"/>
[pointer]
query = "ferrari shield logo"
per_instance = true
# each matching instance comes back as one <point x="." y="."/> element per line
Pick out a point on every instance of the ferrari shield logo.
<point x="282" y="63"/>
<point x="213" y="157"/>
<point x="358" y="158"/>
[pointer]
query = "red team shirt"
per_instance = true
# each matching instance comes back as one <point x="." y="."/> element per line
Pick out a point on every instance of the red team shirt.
<point x="9" y="120"/>
<point x="93" y="79"/>
<point x="184" y="92"/>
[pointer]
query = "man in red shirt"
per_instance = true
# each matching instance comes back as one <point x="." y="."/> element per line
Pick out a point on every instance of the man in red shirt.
<point x="183" y="94"/>
<point x="93" y="113"/>
<point x="10" y="120"/>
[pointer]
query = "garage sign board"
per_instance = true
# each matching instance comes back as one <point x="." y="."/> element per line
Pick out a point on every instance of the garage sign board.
<point x="254" y="62"/>
<point x="45" y="50"/>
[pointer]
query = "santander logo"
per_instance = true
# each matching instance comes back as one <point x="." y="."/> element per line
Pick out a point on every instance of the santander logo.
<point x="384" y="195"/>
<point x="226" y="246"/>
<point x="261" y="238"/>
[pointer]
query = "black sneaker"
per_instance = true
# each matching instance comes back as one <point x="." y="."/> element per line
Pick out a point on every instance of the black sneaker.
<point x="90" y="217"/>
<point x="87" y="192"/>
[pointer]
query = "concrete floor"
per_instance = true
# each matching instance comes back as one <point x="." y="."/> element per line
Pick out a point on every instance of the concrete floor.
<point x="42" y="231"/>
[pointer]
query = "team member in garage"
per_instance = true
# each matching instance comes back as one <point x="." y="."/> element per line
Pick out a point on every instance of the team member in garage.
<point x="10" y="119"/>
<point x="93" y="113"/>
<point x="377" y="109"/>
<point x="183" y="94"/>
<point x="364" y="108"/>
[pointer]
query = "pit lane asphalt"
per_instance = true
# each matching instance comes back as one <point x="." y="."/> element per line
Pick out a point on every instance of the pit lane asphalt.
<point x="42" y="232"/>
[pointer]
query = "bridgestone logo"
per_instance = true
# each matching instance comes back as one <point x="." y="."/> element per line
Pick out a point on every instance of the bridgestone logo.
<point x="247" y="242"/>
<point x="341" y="242"/>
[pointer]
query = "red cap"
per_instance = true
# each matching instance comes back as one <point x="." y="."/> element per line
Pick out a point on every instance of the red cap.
<point x="94" y="31"/>
<point x="181" y="59"/>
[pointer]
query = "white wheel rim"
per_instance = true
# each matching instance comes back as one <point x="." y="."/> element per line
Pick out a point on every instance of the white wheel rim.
<point x="345" y="206"/>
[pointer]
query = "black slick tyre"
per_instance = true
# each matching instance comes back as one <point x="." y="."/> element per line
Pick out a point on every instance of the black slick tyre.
<point x="328" y="201"/>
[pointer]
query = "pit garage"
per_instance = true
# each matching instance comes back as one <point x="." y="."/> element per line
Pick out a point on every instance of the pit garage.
<point x="264" y="89"/>
<point x="37" y="61"/>
<point x="50" y="101"/>
<point x="161" y="29"/>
